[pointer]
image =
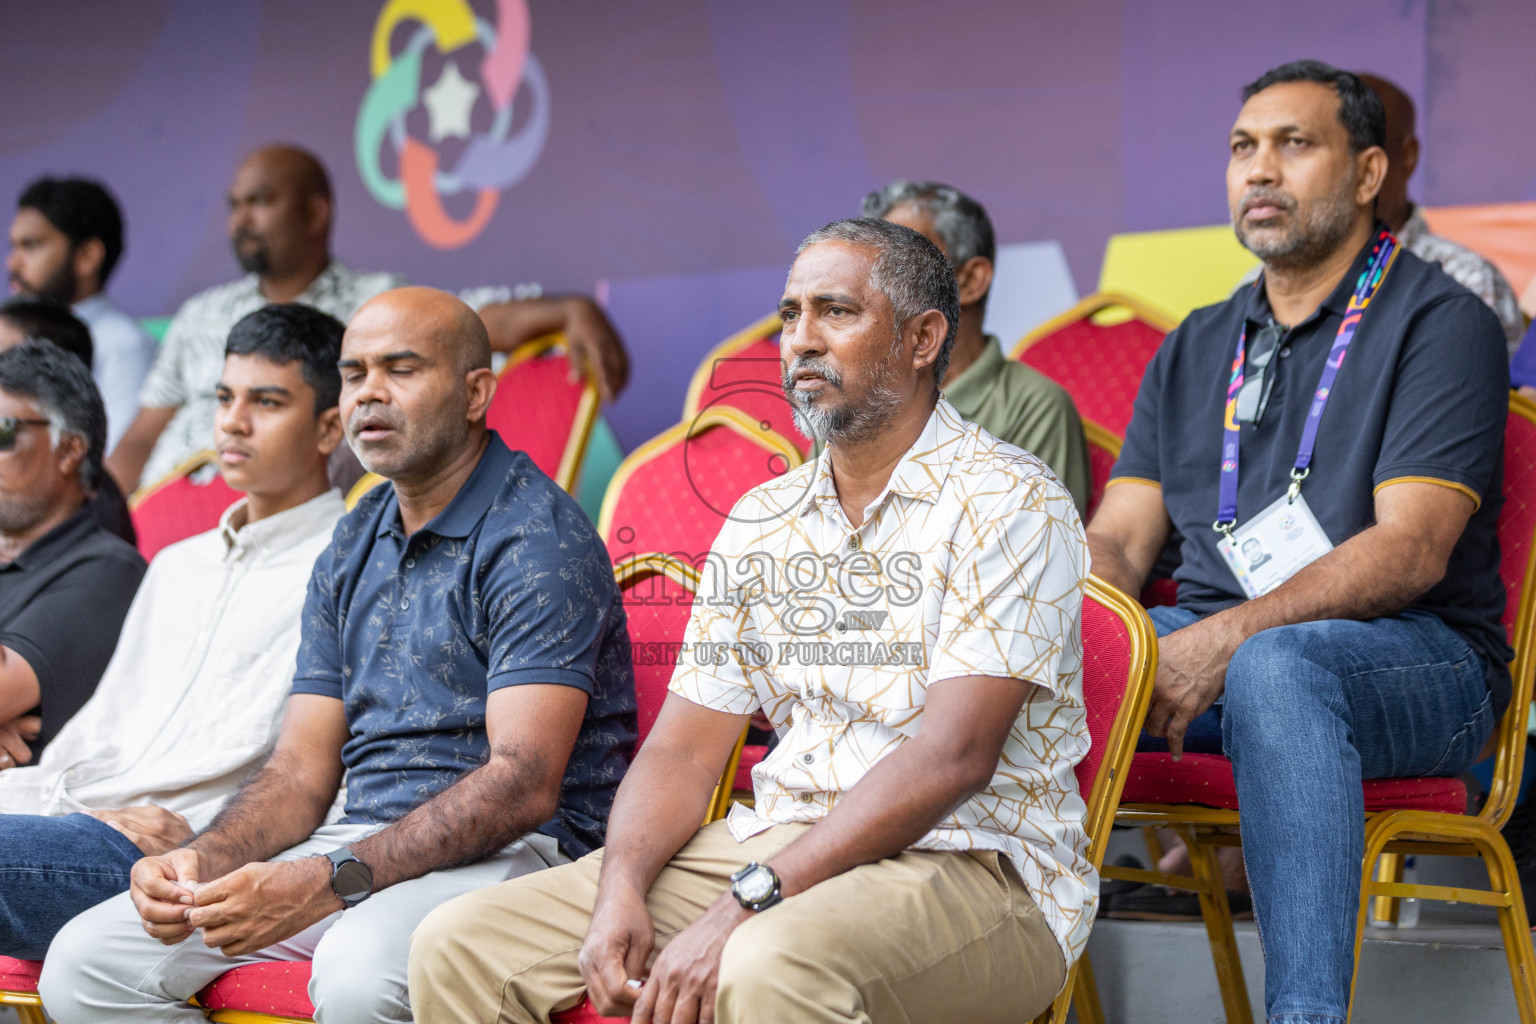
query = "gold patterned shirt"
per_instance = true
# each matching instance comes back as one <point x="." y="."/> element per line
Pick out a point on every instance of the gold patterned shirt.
<point x="971" y="562"/>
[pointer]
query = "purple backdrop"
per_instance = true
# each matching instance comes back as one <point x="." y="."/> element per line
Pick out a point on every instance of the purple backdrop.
<point x="692" y="142"/>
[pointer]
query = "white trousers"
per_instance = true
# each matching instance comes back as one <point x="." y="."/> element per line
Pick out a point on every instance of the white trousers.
<point x="104" y="967"/>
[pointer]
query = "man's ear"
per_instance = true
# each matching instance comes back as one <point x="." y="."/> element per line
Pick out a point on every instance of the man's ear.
<point x="319" y="214"/>
<point x="975" y="280"/>
<point x="481" y="385"/>
<point x="87" y="259"/>
<point x="931" y="329"/>
<point x="70" y="452"/>
<point x="328" y="432"/>
<point x="1370" y="172"/>
<point x="1410" y="156"/>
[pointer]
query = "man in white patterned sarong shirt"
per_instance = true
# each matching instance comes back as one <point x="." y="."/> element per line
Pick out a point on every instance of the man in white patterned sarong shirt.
<point x="906" y="610"/>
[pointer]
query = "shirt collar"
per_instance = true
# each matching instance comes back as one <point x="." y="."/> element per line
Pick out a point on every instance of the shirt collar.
<point x="62" y="537"/>
<point x="327" y="281"/>
<point x="980" y="376"/>
<point x="1257" y="307"/>
<point x="920" y="474"/>
<point x="468" y="506"/>
<point x="91" y="306"/>
<point x="277" y="533"/>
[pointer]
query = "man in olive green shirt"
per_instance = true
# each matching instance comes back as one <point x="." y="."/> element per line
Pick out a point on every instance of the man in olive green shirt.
<point x="1009" y="400"/>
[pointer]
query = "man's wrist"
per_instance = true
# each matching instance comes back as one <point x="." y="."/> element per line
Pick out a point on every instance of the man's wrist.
<point x="317" y="877"/>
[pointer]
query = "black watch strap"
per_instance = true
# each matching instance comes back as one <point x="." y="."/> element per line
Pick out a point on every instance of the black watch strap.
<point x="351" y="879"/>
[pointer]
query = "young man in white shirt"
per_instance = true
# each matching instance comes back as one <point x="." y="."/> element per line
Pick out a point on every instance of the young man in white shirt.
<point x="192" y="698"/>
<point x="907" y="608"/>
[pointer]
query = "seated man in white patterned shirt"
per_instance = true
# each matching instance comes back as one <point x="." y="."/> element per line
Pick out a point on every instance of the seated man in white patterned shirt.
<point x="280" y="213"/>
<point x="907" y="609"/>
<point x="192" y="698"/>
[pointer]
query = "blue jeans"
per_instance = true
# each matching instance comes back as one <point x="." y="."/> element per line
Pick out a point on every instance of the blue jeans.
<point x="1308" y="712"/>
<point x="52" y="869"/>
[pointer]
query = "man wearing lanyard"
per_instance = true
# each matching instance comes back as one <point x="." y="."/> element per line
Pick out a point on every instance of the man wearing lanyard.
<point x="1370" y="643"/>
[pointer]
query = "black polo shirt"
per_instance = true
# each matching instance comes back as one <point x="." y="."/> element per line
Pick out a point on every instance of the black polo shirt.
<point x="62" y="603"/>
<point x="1423" y="394"/>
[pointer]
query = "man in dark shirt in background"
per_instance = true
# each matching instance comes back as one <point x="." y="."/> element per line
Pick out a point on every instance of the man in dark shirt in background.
<point x="65" y="583"/>
<point x="464" y="659"/>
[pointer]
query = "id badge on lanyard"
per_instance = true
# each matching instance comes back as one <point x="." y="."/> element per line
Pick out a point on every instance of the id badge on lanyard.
<point x="1285" y="537"/>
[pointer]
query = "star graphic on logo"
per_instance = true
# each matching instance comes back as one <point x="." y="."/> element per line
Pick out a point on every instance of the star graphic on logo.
<point x="449" y="103"/>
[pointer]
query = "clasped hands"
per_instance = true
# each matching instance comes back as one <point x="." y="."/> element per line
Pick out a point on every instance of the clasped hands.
<point x="1191" y="674"/>
<point x="680" y="988"/>
<point x="245" y="910"/>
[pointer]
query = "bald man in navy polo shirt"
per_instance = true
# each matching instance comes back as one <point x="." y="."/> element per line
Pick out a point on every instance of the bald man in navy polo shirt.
<point x="464" y="659"/>
<point x="1370" y="642"/>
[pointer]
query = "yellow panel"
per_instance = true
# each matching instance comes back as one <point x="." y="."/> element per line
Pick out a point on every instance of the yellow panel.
<point x="1177" y="270"/>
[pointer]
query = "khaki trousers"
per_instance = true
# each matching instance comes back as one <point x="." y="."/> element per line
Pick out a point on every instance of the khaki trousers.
<point x="918" y="937"/>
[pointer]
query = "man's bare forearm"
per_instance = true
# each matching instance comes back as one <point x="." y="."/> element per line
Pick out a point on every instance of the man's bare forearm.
<point x="496" y="804"/>
<point x="904" y="796"/>
<point x="278" y="807"/>
<point x="1111" y="564"/>
<point x="658" y="809"/>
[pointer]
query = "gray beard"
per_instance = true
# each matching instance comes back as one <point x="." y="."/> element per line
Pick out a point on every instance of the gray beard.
<point x="846" y="423"/>
<point x="1315" y="235"/>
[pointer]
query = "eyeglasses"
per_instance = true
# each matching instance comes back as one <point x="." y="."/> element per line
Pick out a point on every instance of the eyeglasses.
<point x="1257" y="382"/>
<point x="8" y="427"/>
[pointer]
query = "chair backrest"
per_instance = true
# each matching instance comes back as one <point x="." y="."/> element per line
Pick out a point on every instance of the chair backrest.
<point x="185" y="502"/>
<point x="539" y="409"/>
<point x="1517" y="568"/>
<point x="1103" y="450"/>
<point x="1119" y="665"/>
<point x="658" y="598"/>
<point x="1099" y="363"/>
<point x="744" y="372"/>
<point x="365" y="483"/>
<point x="673" y="492"/>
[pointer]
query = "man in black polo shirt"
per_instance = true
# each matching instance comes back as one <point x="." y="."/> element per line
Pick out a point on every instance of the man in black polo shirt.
<point x="65" y="583"/>
<point x="1369" y="643"/>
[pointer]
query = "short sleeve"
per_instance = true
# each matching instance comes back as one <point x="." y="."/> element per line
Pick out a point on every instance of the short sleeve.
<point x="319" y="666"/>
<point x="165" y="387"/>
<point x="1141" y="454"/>
<point x="549" y="601"/>
<point x="1449" y="401"/>
<point x="711" y="671"/>
<point x="68" y="660"/>
<point x="1012" y="604"/>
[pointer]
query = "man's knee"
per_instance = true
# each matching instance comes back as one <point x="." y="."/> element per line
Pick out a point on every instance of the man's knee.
<point x="80" y="974"/>
<point x="1272" y="676"/>
<point x="771" y="964"/>
<point x="353" y="981"/>
<point x="439" y="952"/>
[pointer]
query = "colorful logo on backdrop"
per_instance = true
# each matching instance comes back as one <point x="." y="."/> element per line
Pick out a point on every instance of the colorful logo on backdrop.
<point x="488" y="161"/>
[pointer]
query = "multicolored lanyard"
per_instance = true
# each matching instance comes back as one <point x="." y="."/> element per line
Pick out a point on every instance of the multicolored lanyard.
<point x="1384" y="253"/>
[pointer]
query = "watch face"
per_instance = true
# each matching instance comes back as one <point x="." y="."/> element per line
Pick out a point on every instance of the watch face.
<point x="756" y="885"/>
<point x="352" y="879"/>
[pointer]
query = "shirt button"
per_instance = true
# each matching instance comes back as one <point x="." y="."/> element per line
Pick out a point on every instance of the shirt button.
<point x="808" y="758"/>
<point x="853" y="543"/>
<point x="1285" y="353"/>
<point x="805" y="798"/>
<point x="841" y="627"/>
<point x="410" y="563"/>
<point x="405" y="603"/>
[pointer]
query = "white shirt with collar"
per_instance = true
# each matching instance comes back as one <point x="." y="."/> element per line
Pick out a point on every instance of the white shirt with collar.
<point x="121" y="358"/>
<point x="194" y="694"/>
<point x="972" y="562"/>
<point x="192" y="358"/>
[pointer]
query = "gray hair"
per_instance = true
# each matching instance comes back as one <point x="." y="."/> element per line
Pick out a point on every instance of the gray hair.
<point x="957" y="218"/>
<point x="62" y="388"/>
<point x="909" y="270"/>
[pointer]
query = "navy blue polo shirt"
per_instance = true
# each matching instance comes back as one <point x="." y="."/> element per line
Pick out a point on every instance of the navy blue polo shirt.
<point x="509" y="584"/>
<point x="1423" y="394"/>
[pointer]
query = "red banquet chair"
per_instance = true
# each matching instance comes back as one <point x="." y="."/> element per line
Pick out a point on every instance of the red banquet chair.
<point x="538" y="409"/>
<point x="658" y="594"/>
<point x="673" y="493"/>
<point x="18" y="989"/>
<point x="185" y="502"/>
<point x="1197" y="796"/>
<point x="744" y="372"/>
<point x="1100" y="364"/>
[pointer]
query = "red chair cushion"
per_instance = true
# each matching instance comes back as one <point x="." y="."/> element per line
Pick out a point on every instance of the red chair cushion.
<point x="19" y="975"/>
<point x="1206" y="779"/>
<point x="582" y="1013"/>
<point x="751" y="379"/>
<point x="180" y="509"/>
<point x="751" y="756"/>
<point x="279" y="988"/>
<point x="1100" y="366"/>
<point x="537" y="408"/>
